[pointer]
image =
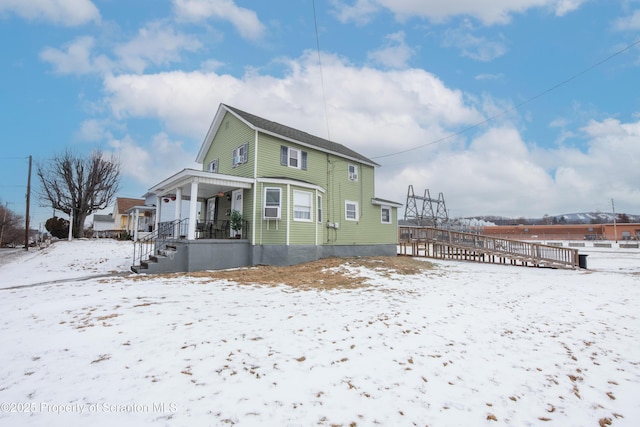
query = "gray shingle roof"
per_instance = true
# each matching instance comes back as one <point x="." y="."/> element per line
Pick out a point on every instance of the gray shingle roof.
<point x="300" y="136"/>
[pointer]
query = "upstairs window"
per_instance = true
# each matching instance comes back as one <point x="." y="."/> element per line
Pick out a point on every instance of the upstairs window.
<point x="353" y="172"/>
<point x="212" y="166"/>
<point x="272" y="203"/>
<point x="241" y="154"/>
<point x="293" y="158"/>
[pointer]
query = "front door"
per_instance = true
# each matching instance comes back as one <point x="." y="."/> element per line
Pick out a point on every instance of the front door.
<point x="211" y="210"/>
<point x="236" y="205"/>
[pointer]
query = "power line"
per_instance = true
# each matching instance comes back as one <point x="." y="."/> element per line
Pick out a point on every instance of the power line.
<point x="517" y="106"/>
<point x="324" y="97"/>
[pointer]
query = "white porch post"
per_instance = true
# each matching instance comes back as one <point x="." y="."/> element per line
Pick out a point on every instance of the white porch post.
<point x="178" y="212"/>
<point x="193" y="211"/>
<point x="156" y="223"/>
<point x="136" y="224"/>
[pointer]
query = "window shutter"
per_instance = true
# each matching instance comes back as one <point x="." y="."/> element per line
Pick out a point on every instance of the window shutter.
<point x="304" y="161"/>
<point x="245" y="154"/>
<point x="284" y="156"/>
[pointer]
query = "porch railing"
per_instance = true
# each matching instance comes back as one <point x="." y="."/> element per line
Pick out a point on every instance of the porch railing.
<point x="220" y="229"/>
<point x="157" y="241"/>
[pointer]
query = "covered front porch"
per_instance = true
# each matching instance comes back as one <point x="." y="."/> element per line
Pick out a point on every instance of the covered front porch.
<point x="202" y="204"/>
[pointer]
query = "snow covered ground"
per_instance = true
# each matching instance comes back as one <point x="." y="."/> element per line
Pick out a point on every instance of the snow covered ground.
<point x="462" y="344"/>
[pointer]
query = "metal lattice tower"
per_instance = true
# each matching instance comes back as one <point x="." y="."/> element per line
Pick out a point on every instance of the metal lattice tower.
<point x="433" y="212"/>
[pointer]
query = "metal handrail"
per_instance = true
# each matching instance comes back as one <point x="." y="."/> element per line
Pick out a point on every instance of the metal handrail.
<point x="155" y="242"/>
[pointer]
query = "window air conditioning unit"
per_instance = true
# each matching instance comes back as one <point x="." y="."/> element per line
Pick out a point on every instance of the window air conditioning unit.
<point x="271" y="213"/>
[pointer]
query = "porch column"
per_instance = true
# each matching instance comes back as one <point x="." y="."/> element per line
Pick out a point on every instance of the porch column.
<point x="129" y="220"/>
<point x="156" y="222"/>
<point x="193" y="211"/>
<point x="178" y="212"/>
<point x="136" y="225"/>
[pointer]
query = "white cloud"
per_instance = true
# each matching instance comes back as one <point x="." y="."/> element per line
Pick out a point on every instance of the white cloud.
<point x="488" y="76"/>
<point x="488" y="12"/>
<point x="76" y="58"/>
<point x="562" y="7"/>
<point x="628" y="23"/>
<point x="360" y="13"/>
<point x="245" y="21"/>
<point x="156" y="44"/>
<point x="60" y="12"/>
<point x="151" y="162"/>
<point x="395" y="53"/>
<point x="368" y="108"/>
<point x="93" y="130"/>
<point x="472" y="46"/>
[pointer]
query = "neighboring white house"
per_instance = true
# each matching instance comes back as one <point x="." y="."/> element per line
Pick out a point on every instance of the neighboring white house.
<point x="103" y="225"/>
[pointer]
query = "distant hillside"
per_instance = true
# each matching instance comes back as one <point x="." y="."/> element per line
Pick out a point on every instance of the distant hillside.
<point x="571" y="218"/>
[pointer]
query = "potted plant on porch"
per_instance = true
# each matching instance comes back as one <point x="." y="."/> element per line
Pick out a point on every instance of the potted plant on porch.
<point x="236" y="222"/>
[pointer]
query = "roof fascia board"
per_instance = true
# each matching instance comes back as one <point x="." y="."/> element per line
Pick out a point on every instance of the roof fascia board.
<point x="382" y="202"/>
<point x="213" y="129"/>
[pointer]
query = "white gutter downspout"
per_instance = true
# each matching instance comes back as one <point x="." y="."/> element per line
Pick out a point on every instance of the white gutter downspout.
<point x="255" y="191"/>
<point x="288" y="212"/>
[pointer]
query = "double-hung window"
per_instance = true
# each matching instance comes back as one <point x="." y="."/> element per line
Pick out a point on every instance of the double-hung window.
<point x="272" y="203"/>
<point x="212" y="166"/>
<point x="350" y="210"/>
<point x="353" y="172"/>
<point x="241" y="154"/>
<point x="293" y="158"/>
<point x="385" y="214"/>
<point x="319" y="208"/>
<point x="301" y="205"/>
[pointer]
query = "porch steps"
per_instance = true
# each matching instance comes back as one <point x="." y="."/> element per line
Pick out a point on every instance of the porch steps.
<point x="151" y="265"/>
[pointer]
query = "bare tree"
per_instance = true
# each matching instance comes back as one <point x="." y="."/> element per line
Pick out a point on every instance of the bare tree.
<point x="79" y="186"/>
<point x="12" y="229"/>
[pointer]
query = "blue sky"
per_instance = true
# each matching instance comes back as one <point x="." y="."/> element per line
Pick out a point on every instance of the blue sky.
<point x="142" y="80"/>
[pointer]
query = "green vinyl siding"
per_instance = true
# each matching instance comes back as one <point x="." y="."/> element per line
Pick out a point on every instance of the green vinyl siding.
<point x="270" y="231"/>
<point x="269" y="165"/>
<point x="232" y="134"/>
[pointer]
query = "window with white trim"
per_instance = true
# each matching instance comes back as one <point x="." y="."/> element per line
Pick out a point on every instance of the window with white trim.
<point x="212" y="166"/>
<point x="350" y="210"/>
<point x="319" y="205"/>
<point x="353" y="172"/>
<point x="293" y="158"/>
<point x="301" y="205"/>
<point x="385" y="214"/>
<point x="272" y="203"/>
<point x="241" y="154"/>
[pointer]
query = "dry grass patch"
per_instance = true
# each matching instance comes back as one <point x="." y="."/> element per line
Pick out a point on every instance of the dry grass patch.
<point x="328" y="273"/>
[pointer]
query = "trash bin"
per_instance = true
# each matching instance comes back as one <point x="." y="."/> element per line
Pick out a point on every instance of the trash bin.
<point x="582" y="261"/>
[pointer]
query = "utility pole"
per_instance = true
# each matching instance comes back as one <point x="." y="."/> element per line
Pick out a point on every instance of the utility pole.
<point x="615" y="233"/>
<point x="26" y="226"/>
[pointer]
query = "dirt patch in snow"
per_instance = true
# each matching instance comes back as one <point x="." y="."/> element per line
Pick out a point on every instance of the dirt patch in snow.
<point x="328" y="273"/>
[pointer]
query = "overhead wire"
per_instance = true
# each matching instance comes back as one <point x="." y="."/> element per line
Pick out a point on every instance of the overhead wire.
<point x="515" y="107"/>
<point x="324" y="97"/>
